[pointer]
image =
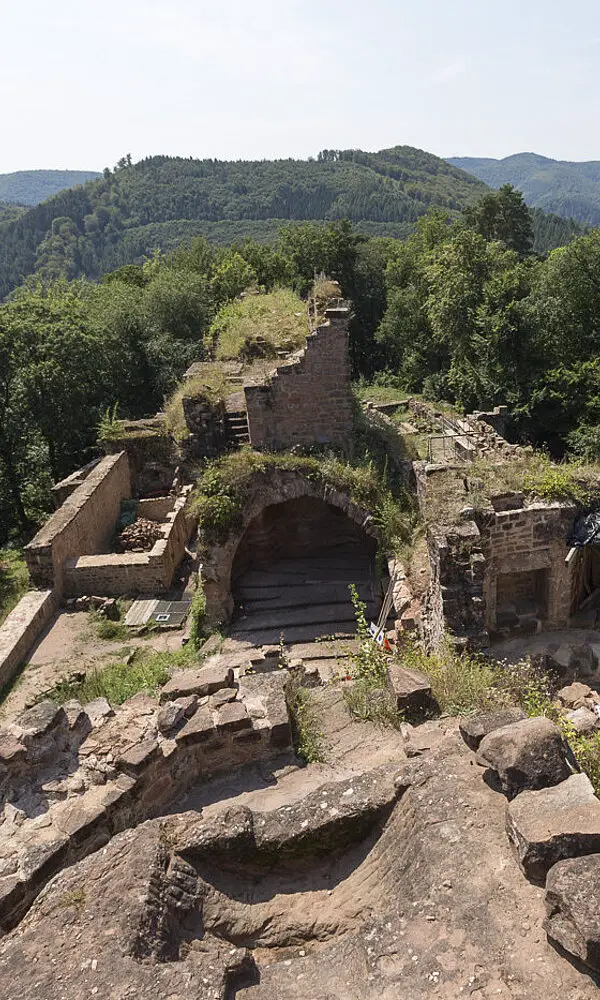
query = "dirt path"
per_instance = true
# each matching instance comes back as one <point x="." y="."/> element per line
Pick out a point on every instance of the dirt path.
<point x="70" y="644"/>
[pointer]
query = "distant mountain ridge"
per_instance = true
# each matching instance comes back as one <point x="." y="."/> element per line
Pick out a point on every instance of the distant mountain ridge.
<point x="564" y="187"/>
<point x="125" y="214"/>
<point x="158" y="202"/>
<point x="30" y="187"/>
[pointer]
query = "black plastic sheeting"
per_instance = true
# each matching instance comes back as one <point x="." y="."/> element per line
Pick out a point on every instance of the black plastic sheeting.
<point x="586" y="531"/>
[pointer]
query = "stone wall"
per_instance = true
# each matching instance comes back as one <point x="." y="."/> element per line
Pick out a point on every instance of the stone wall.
<point x="21" y="628"/>
<point x="130" y="573"/>
<point x="308" y="399"/>
<point x="62" y="490"/>
<point x="95" y="771"/>
<point x="153" y="455"/>
<point x="497" y="570"/>
<point x="84" y="524"/>
<point x="207" y="426"/>
<point x="520" y="542"/>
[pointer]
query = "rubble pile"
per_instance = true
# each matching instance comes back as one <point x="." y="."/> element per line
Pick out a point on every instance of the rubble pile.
<point x="139" y="536"/>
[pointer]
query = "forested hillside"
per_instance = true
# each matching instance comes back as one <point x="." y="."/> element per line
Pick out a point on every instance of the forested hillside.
<point x="159" y="202"/>
<point x="10" y="211"/>
<point x="92" y="229"/>
<point x="29" y="187"/>
<point x="569" y="189"/>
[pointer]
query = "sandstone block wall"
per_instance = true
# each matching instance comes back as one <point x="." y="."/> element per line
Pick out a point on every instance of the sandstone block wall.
<point x="21" y="628"/>
<point x="84" y="524"/>
<point x="308" y="400"/>
<point x="519" y="543"/>
<point x="114" y="574"/>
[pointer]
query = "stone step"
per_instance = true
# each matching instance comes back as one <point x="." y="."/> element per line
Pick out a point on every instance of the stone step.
<point x="299" y="596"/>
<point x="316" y="614"/>
<point x="296" y="633"/>
<point x="310" y="651"/>
<point x="301" y="575"/>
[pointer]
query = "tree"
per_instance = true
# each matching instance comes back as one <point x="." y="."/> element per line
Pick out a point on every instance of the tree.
<point x="503" y="215"/>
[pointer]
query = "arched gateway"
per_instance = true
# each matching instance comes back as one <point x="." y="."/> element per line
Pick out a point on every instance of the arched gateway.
<point x="287" y="565"/>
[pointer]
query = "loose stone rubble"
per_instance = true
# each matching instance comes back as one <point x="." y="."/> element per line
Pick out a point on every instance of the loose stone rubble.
<point x="70" y="778"/>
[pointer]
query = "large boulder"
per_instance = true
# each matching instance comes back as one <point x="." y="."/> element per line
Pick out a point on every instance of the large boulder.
<point x="411" y="689"/>
<point x="475" y="727"/>
<point x="527" y="755"/>
<point x="573" y="908"/>
<point x="549" y="825"/>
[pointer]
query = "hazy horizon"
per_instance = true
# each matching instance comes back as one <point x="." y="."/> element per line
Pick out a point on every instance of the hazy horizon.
<point x="83" y="86"/>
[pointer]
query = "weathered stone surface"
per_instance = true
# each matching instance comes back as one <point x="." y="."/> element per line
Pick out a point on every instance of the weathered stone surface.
<point x="77" y="716"/>
<point x="411" y="688"/>
<point x="201" y="682"/>
<point x="573" y="908"/>
<point x="99" y="711"/>
<point x="574" y="695"/>
<point x="529" y="754"/>
<point x="475" y="727"/>
<point x="11" y="750"/>
<point x="41" y="719"/>
<point x="222" y="697"/>
<point x="134" y="760"/>
<point x="188" y="704"/>
<point x="548" y="825"/>
<point x="170" y="714"/>
<point x="583" y="720"/>
<point x="265" y="693"/>
<point x="232" y="716"/>
<point x="199" y="729"/>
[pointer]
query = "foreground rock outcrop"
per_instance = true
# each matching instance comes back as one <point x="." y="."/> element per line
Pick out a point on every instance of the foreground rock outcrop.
<point x="397" y="882"/>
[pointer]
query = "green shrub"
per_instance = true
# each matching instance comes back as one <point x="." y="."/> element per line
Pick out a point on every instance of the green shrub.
<point x="259" y="326"/>
<point x="367" y="697"/>
<point x="119" y="681"/>
<point x="14" y="580"/>
<point x="110" y="427"/>
<point x="198" y="617"/>
<point x="306" y="722"/>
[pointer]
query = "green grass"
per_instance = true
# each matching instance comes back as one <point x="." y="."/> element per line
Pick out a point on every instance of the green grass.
<point x="211" y="387"/>
<point x="226" y="484"/>
<point x="14" y="580"/>
<point x="260" y="326"/>
<point x="306" y="722"/>
<point x="119" y="681"/>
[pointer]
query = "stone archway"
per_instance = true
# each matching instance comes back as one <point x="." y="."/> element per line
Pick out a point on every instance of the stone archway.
<point x="272" y="503"/>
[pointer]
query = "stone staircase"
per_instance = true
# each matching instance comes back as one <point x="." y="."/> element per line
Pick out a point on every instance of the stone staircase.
<point x="237" y="427"/>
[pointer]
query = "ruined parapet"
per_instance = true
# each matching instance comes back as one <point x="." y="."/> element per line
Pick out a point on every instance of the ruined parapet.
<point x="497" y="560"/>
<point x="308" y="399"/>
<point x="152" y="453"/>
<point x="207" y="426"/>
<point x="63" y="489"/>
<point x="97" y="770"/>
<point x="84" y="523"/>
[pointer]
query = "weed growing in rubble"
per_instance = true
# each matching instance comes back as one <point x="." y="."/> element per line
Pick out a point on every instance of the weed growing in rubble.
<point x="119" y="681"/>
<point x="198" y="617"/>
<point x="368" y="697"/>
<point x="305" y="721"/>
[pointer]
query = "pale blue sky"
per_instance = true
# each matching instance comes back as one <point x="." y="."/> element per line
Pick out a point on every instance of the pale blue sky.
<point x="82" y="84"/>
